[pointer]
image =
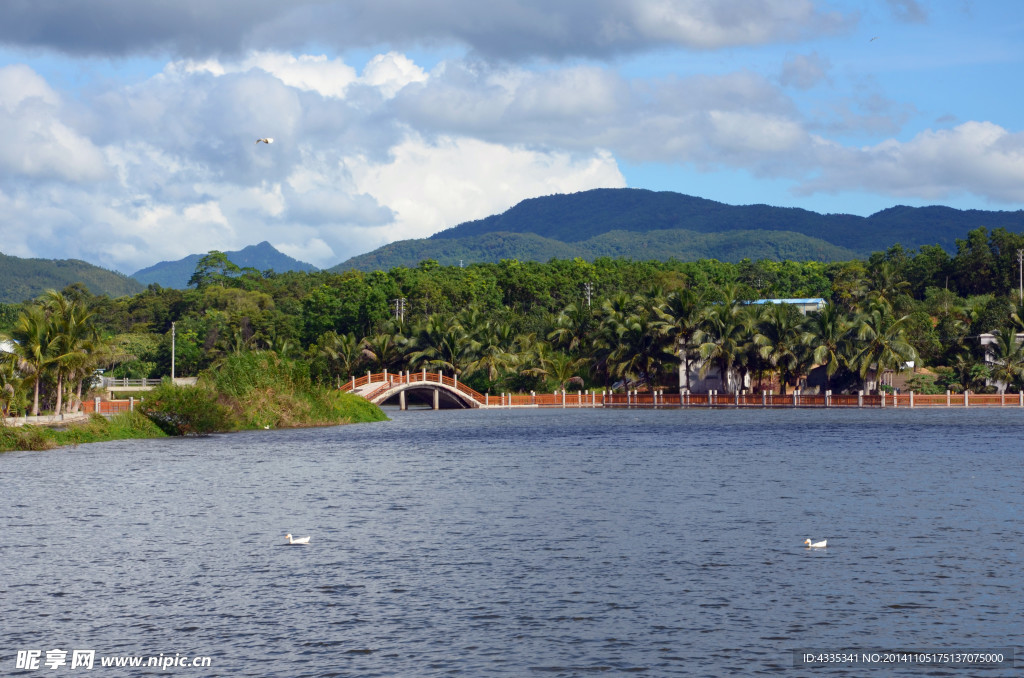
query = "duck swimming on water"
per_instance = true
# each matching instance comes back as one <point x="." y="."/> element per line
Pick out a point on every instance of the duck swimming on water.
<point x="295" y="542"/>
<point x="816" y="544"/>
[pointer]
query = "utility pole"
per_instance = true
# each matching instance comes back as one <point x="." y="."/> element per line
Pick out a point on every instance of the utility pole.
<point x="588" y="287"/>
<point x="1020" y="263"/>
<point x="172" y="352"/>
<point x="399" y="308"/>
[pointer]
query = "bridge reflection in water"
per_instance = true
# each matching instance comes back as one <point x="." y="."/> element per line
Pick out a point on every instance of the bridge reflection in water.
<point x="446" y="392"/>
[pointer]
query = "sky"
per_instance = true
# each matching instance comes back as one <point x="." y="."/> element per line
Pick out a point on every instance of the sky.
<point x="130" y="126"/>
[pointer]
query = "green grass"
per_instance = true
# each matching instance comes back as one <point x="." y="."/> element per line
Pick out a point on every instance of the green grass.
<point x="264" y="390"/>
<point x="125" y="426"/>
<point x="249" y="391"/>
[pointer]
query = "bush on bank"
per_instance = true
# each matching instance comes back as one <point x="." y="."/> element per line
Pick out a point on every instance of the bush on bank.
<point x="254" y="391"/>
<point x="264" y="390"/>
<point x="186" y="410"/>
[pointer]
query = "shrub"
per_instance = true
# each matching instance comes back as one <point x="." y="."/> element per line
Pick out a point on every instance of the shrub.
<point x="924" y="384"/>
<point x="187" y="410"/>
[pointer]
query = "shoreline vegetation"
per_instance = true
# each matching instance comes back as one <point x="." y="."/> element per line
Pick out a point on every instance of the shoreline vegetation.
<point x="272" y="350"/>
<point x="246" y="392"/>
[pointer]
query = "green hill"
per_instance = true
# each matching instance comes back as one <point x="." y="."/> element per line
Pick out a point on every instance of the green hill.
<point x="660" y="245"/>
<point x="641" y="224"/>
<point x="24" y="279"/>
<point x="262" y="257"/>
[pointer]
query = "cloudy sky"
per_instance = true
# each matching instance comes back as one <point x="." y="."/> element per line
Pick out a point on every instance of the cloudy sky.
<point x="129" y="126"/>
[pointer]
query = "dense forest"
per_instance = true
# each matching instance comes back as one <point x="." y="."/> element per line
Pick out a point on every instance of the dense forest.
<point x="519" y="326"/>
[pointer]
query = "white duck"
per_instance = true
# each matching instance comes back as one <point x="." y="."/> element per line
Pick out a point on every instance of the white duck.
<point x="816" y="544"/>
<point x="294" y="542"/>
<point x="266" y="140"/>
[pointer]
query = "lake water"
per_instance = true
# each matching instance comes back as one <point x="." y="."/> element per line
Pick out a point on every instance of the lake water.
<point x="516" y="543"/>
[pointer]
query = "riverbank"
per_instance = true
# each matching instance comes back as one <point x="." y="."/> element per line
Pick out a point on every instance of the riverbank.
<point x="246" y="393"/>
<point x="93" y="429"/>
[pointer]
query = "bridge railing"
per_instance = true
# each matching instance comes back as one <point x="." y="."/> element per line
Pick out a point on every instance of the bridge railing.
<point x="389" y="380"/>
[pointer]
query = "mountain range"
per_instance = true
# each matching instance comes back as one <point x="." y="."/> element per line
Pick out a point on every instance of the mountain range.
<point x="261" y="257"/>
<point x="624" y="222"/>
<point x="642" y="224"/>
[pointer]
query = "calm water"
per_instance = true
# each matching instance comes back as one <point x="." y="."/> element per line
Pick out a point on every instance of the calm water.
<point x="516" y="543"/>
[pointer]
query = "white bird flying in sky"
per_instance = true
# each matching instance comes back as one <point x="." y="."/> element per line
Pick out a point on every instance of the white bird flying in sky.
<point x="266" y="140"/>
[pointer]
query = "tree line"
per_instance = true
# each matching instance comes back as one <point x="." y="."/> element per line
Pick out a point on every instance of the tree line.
<point x="519" y="326"/>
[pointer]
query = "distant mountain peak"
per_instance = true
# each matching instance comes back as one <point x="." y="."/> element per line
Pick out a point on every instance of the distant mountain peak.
<point x="262" y="257"/>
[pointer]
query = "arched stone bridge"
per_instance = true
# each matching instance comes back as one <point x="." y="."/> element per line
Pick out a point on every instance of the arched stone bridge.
<point x="431" y="388"/>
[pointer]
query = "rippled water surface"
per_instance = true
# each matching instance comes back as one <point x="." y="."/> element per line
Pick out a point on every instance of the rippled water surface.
<point x="517" y="543"/>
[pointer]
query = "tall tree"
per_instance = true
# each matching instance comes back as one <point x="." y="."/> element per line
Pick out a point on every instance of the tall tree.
<point x="779" y="338"/>
<point x="679" y="320"/>
<point x="72" y="343"/>
<point x="884" y="343"/>
<point x="722" y="335"/>
<point x="33" y="347"/>
<point x="1007" y="358"/>
<point x="827" y="333"/>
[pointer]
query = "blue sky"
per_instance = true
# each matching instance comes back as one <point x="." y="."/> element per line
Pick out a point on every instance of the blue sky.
<point x="131" y="125"/>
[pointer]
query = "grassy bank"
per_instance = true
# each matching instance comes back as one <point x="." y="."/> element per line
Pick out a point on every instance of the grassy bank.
<point x="254" y="391"/>
<point x="96" y="429"/>
<point x="247" y="391"/>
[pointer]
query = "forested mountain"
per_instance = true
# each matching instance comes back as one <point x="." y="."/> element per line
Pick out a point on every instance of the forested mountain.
<point x="262" y="257"/>
<point x="24" y="279"/>
<point x="658" y="245"/>
<point x="642" y="224"/>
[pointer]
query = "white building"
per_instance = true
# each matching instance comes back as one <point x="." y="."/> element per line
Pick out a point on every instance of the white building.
<point x="987" y="341"/>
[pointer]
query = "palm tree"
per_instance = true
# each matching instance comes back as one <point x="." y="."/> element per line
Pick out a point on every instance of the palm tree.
<point x="536" y="357"/>
<point x="780" y="340"/>
<point x="887" y="283"/>
<point x="1007" y="358"/>
<point x="679" y="319"/>
<point x="383" y="350"/>
<point x="721" y="335"/>
<point x="72" y="343"/>
<point x="564" y="369"/>
<point x="494" y="355"/>
<point x="971" y="374"/>
<point x="342" y="353"/>
<point x="572" y="328"/>
<point x="439" y="343"/>
<point x="12" y="391"/>
<point x="639" y="351"/>
<point x="32" y="347"/>
<point x="884" y="341"/>
<point x="827" y="333"/>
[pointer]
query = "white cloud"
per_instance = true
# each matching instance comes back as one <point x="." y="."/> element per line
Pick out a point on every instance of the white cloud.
<point x="38" y="145"/>
<point x="976" y="157"/>
<point x="391" y="72"/>
<point x="432" y="186"/>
